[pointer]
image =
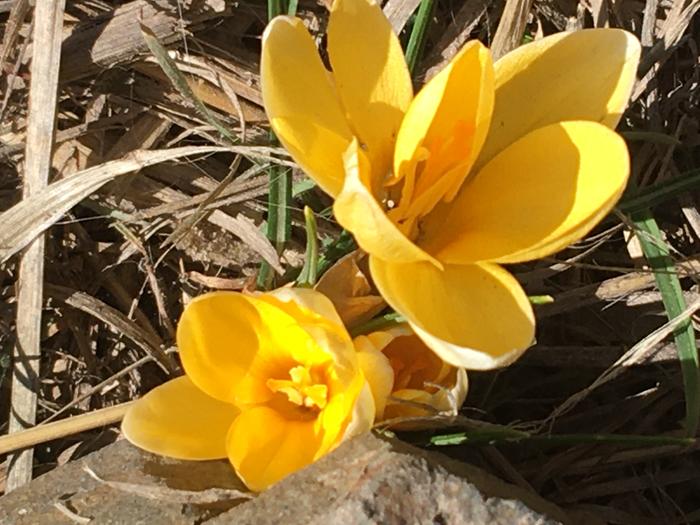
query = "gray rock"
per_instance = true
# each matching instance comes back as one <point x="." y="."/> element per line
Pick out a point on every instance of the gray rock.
<point x="365" y="481"/>
<point x="71" y="488"/>
<point x="374" y="481"/>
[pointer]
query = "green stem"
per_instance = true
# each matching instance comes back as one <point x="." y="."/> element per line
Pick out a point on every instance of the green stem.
<point x="378" y="323"/>
<point x="513" y="436"/>
<point x="275" y="8"/>
<point x="309" y="273"/>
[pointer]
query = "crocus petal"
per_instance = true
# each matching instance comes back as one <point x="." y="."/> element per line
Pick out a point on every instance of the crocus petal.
<point x="447" y="121"/>
<point x="342" y="410"/>
<point x="407" y="404"/>
<point x="230" y="344"/>
<point x="473" y="316"/>
<point x="444" y="401"/>
<point x="301" y="103"/>
<point x="584" y="75"/>
<point x="536" y="197"/>
<point x="358" y="211"/>
<point x="218" y="342"/>
<point x="461" y="388"/>
<point x="363" y="414"/>
<point x="309" y="299"/>
<point x="264" y="447"/>
<point x="371" y="76"/>
<point x="178" y="420"/>
<point x="376" y="368"/>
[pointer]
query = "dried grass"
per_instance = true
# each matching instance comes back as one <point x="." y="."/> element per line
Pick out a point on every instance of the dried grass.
<point x="135" y="164"/>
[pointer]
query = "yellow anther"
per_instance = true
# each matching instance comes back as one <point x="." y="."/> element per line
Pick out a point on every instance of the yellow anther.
<point x="300" y="388"/>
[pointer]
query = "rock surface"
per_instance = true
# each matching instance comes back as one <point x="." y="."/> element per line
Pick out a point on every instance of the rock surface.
<point x="367" y="480"/>
<point x="69" y="495"/>
<point x="372" y="481"/>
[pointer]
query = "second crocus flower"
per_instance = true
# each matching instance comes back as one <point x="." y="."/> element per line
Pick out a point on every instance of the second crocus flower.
<point x="273" y="382"/>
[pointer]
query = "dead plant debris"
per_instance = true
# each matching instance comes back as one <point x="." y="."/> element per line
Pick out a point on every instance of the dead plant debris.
<point x="157" y="193"/>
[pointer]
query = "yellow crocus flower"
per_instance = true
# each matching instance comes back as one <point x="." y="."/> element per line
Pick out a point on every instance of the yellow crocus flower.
<point x="489" y="164"/>
<point x="272" y="382"/>
<point x="407" y="379"/>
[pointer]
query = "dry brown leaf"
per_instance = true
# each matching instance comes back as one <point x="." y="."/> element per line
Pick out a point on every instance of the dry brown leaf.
<point x="639" y="353"/>
<point x="24" y="221"/>
<point x="217" y="283"/>
<point x="511" y="28"/>
<point x="244" y="228"/>
<point x="347" y="286"/>
<point x="399" y="11"/>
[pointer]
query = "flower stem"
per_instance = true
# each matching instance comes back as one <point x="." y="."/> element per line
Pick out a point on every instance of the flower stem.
<point x="512" y="436"/>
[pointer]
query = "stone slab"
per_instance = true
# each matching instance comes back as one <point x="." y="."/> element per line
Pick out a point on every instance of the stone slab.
<point x="368" y="480"/>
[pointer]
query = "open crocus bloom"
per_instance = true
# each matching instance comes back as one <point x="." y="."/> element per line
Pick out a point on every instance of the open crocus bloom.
<point x="407" y="379"/>
<point x="488" y="164"/>
<point x="272" y="382"/>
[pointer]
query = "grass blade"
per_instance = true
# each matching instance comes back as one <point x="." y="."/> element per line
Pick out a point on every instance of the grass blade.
<point x="178" y="80"/>
<point x="279" y="220"/>
<point x="658" y="193"/>
<point x="491" y="437"/>
<point x="414" y="48"/>
<point x="657" y="254"/>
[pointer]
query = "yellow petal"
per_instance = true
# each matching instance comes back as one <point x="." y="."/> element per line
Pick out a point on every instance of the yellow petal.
<point x="350" y="407"/>
<point x="301" y="103"/>
<point x="371" y="76"/>
<point x="178" y="420"/>
<point x="231" y="344"/>
<point x="363" y="414"/>
<point x="539" y="195"/>
<point x="377" y="370"/>
<point x="585" y="75"/>
<point x="217" y="340"/>
<point x="324" y="339"/>
<point x="264" y="447"/>
<point x="357" y="210"/>
<point x="461" y="388"/>
<point x="416" y="370"/>
<point x="473" y="316"/>
<point x="444" y="401"/>
<point x="445" y="127"/>
<point x="312" y="300"/>
<point x="407" y="403"/>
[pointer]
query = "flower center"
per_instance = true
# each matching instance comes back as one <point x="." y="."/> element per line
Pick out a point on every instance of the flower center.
<point x="435" y="174"/>
<point x="302" y="389"/>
